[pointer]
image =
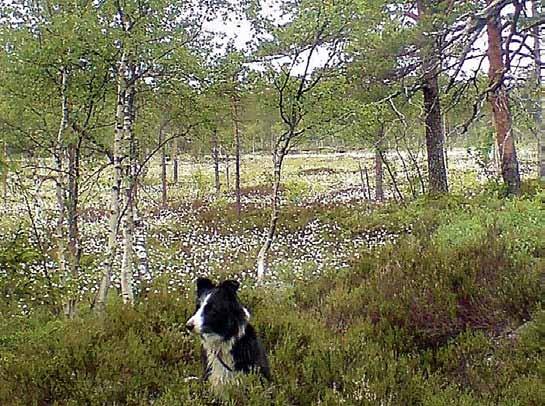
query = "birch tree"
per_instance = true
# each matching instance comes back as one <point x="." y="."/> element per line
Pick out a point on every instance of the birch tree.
<point x="148" y="36"/>
<point x="295" y="78"/>
<point x="152" y="39"/>
<point x="49" y="58"/>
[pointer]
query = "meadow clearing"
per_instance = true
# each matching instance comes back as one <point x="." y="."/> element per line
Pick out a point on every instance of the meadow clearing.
<point x="428" y="301"/>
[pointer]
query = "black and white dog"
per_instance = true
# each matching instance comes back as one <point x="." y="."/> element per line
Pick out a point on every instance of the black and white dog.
<point x="230" y="343"/>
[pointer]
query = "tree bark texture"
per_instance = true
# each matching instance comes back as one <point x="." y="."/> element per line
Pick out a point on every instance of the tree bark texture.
<point x="61" y="194"/>
<point x="73" y="251"/>
<point x="128" y="184"/>
<point x="175" y="161"/>
<point x="379" y="171"/>
<point x="434" y="138"/>
<point x="437" y="172"/>
<point x="499" y="102"/>
<point x="140" y="246"/>
<point x="278" y="158"/>
<point x="164" y="184"/>
<point x="115" y="197"/>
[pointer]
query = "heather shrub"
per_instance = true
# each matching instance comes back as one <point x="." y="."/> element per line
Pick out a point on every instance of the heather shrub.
<point x="434" y="295"/>
<point x="447" y="313"/>
<point x="127" y="357"/>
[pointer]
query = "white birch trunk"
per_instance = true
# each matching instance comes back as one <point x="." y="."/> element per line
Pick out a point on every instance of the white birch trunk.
<point x="60" y="180"/>
<point x="115" y="197"/>
<point x="140" y="246"/>
<point x="127" y="264"/>
<point x="262" y="268"/>
<point x="128" y="186"/>
<point x="73" y="236"/>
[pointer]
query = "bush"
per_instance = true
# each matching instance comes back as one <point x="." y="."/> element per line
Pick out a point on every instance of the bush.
<point x="431" y="319"/>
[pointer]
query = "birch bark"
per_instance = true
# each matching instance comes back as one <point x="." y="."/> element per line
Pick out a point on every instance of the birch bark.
<point x="60" y="178"/>
<point x="128" y="186"/>
<point x="278" y="158"/>
<point x="115" y="196"/>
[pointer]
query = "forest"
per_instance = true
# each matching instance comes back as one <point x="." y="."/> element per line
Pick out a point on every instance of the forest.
<point x="371" y="172"/>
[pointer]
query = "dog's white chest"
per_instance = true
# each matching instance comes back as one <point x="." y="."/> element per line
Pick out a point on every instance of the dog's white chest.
<point x="221" y="368"/>
<point x="220" y="362"/>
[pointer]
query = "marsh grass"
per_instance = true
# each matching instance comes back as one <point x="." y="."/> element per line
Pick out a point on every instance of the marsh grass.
<point x="430" y="317"/>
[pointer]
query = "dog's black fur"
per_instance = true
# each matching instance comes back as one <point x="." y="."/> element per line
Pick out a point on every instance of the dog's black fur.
<point x="230" y="343"/>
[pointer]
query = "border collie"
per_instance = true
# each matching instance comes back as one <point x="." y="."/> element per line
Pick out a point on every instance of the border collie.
<point x="230" y="343"/>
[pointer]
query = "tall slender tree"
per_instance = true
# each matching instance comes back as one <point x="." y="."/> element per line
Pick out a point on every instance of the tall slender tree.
<point x="539" y="63"/>
<point x="431" y="58"/>
<point x="314" y="27"/>
<point x="499" y="102"/>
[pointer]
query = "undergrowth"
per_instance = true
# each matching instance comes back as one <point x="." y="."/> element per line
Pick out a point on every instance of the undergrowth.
<point x="450" y="314"/>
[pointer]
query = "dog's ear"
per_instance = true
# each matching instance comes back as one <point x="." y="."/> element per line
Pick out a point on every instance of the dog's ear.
<point x="231" y="285"/>
<point x="204" y="285"/>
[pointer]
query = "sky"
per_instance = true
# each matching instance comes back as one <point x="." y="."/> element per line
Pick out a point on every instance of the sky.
<point x="240" y="33"/>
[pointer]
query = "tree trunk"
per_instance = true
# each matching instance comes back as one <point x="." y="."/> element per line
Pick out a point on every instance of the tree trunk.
<point x="175" y="161"/>
<point x="414" y="161"/>
<point x="539" y="48"/>
<point x="61" y="188"/>
<point x="362" y="177"/>
<point x="73" y="251"/>
<point x="434" y="136"/>
<point x="367" y="187"/>
<point x="216" y="158"/>
<point x="234" y="105"/>
<point x="115" y="196"/>
<point x="278" y="158"/>
<point x="227" y="178"/>
<point x="379" y="171"/>
<point x="406" y="170"/>
<point x="128" y="185"/>
<point x="164" y="185"/>
<point x="437" y="172"/>
<point x="499" y="101"/>
<point x="127" y="263"/>
<point x="140" y="246"/>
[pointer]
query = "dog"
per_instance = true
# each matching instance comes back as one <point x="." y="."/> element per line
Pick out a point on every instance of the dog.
<point x="230" y="343"/>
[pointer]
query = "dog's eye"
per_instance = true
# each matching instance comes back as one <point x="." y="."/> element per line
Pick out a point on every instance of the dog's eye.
<point x="212" y="310"/>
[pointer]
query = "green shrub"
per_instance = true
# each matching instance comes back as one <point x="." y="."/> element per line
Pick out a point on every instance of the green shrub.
<point x="432" y="319"/>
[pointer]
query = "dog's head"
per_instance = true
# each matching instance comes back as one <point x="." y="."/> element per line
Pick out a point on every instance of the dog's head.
<point x="219" y="313"/>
